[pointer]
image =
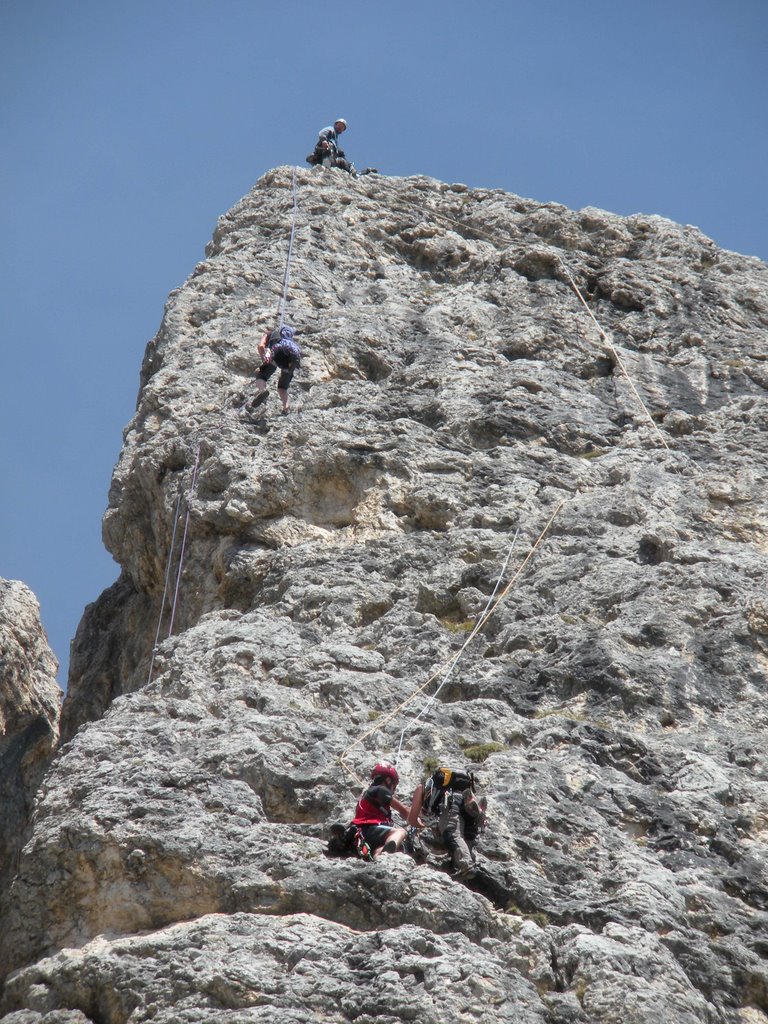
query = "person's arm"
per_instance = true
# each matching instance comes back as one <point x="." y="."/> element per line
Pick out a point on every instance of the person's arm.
<point x="416" y="804"/>
<point x="400" y="808"/>
<point x="263" y="349"/>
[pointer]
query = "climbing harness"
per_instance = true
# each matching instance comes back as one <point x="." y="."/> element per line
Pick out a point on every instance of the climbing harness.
<point x="169" y="562"/>
<point x="439" y="671"/>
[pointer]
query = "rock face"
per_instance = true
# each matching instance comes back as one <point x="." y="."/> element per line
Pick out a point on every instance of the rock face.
<point x="455" y="401"/>
<point x="29" y="715"/>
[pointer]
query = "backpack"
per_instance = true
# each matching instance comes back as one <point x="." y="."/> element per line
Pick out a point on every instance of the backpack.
<point x="281" y="340"/>
<point x="443" y="782"/>
<point x="288" y="348"/>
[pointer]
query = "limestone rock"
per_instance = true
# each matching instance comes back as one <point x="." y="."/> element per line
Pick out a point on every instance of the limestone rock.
<point x="29" y="714"/>
<point x="456" y="403"/>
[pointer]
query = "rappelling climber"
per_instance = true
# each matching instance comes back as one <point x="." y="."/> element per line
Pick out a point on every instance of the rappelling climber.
<point x="450" y="796"/>
<point x="328" y="152"/>
<point x="373" y="814"/>
<point x="278" y="350"/>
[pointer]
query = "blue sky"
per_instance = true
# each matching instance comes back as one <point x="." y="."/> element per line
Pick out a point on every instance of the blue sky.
<point x="128" y="128"/>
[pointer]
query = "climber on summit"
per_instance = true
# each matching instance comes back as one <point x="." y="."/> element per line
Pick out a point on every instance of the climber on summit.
<point x="327" y="151"/>
<point x="277" y="349"/>
<point x="449" y="795"/>
<point x="373" y="814"/>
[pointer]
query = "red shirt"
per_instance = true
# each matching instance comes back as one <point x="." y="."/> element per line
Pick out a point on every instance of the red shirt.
<point x="369" y="811"/>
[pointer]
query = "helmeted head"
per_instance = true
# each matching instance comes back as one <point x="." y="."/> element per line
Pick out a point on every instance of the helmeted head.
<point x="340" y="124"/>
<point x="383" y="770"/>
<point x="286" y="332"/>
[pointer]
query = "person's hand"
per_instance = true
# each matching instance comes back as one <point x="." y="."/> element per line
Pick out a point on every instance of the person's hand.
<point x="325" y="144"/>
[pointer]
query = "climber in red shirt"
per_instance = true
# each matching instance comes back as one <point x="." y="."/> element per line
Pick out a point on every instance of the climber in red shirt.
<point x="373" y="814"/>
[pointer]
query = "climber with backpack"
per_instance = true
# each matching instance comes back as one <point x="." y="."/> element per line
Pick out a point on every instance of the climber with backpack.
<point x="449" y="795"/>
<point x="278" y="350"/>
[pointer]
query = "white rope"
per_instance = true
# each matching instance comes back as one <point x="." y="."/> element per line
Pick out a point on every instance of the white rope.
<point x="452" y="665"/>
<point x="494" y="239"/>
<point x="284" y="300"/>
<point x="428" y="682"/>
<point x="192" y="486"/>
<point x="606" y="340"/>
<point x="168" y="563"/>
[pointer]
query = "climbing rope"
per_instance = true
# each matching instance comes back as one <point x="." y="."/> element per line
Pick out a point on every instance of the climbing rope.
<point x="196" y="473"/>
<point x="455" y="660"/>
<point x="286" y="279"/>
<point x="606" y="341"/>
<point x="495" y="239"/>
<point x="420" y="689"/>
<point x="192" y="488"/>
<point x="169" y="562"/>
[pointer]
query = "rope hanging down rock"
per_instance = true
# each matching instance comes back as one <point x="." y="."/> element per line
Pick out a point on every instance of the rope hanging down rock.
<point x="196" y="473"/>
<point x="495" y="239"/>
<point x="439" y="671"/>
<point x="286" y="279"/>
<point x="169" y="561"/>
<point x="606" y="341"/>
<point x="457" y="657"/>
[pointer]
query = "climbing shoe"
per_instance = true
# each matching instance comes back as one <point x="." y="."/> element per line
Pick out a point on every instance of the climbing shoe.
<point x="260" y="399"/>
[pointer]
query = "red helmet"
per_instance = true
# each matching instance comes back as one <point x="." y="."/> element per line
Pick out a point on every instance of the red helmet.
<point x="384" y="768"/>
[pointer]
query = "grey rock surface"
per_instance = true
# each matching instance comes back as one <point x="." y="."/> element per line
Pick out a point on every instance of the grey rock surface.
<point x="30" y="701"/>
<point x="454" y="394"/>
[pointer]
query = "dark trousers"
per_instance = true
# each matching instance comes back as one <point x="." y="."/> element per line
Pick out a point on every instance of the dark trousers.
<point x="458" y="830"/>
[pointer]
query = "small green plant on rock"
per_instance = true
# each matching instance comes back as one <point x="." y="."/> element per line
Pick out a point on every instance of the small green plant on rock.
<point x="479" y="752"/>
<point x="457" y="626"/>
<point x="538" y="917"/>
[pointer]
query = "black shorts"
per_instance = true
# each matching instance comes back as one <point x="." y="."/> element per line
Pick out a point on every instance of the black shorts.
<point x="286" y="374"/>
<point x="375" y="835"/>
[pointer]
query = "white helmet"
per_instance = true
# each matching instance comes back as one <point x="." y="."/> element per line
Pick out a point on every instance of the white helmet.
<point x="340" y="120"/>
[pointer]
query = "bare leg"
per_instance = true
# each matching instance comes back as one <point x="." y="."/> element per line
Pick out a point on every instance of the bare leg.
<point x="393" y="843"/>
<point x="283" y="394"/>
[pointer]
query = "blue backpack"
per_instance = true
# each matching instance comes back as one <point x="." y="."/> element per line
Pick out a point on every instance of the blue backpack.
<point x="281" y="340"/>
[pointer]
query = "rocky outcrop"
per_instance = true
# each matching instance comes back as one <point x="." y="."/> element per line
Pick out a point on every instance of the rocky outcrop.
<point x="29" y="715"/>
<point x="454" y="395"/>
